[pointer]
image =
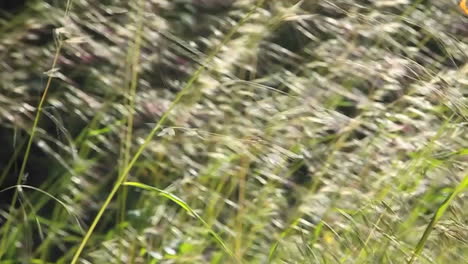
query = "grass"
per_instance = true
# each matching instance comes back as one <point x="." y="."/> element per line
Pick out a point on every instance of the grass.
<point x="186" y="132"/>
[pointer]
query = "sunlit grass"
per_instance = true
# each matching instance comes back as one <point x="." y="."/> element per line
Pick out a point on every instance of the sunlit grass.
<point x="204" y="132"/>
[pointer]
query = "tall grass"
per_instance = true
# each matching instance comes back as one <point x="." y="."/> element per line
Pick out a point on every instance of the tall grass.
<point x="234" y="132"/>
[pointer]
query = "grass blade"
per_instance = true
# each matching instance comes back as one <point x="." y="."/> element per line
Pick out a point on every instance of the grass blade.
<point x="438" y="214"/>
<point x="184" y="206"/>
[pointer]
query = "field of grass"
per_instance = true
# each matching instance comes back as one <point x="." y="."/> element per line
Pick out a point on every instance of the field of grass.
<point x="234" y="131"/>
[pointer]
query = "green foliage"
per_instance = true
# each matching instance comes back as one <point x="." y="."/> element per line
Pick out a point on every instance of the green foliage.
<point x="292" y="132"/>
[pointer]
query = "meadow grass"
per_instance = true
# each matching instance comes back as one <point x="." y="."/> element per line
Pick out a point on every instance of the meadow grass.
<point x="257" y="132"/>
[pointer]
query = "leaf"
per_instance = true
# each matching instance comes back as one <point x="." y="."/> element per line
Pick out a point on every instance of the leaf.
<point x="438" y="214"/>
<point x="184" y="206"/>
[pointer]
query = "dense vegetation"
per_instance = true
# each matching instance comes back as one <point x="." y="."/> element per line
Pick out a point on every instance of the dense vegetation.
<point x="235" y="131"/>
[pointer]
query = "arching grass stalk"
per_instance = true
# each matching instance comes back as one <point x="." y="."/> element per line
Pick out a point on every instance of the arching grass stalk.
<point x="187" y="208"/>
<point x="40" y="106"/>
<point x="63" y="204"/>
<point x="122" y="177"/>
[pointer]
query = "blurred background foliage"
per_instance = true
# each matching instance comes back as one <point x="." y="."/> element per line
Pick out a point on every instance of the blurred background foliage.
<point x="322" y="132"/>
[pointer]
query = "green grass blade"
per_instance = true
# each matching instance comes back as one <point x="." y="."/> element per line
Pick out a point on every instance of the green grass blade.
<point x="64" y="205"/>
<point x="438" y="214"/>
<point x="184" y="206"/>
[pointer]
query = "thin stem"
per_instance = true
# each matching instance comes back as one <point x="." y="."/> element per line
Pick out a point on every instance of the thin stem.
<point x="27" y="151"/>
